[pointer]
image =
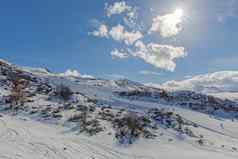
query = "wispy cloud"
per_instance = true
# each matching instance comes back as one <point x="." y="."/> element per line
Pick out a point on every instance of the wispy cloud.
<point x="118" y="54"/>
<point x="147" y="72"/>
<point x="101" y="32"/>
<point x="117" y="8"/>
<point x="119" y="33"/>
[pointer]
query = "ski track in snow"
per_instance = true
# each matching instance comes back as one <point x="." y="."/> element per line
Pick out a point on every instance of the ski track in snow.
<point x="21" y="142"/>
<point x="25" y="139"/>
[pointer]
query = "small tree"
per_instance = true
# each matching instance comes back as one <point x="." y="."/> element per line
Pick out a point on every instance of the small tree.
<point x="180" y="122"/>
<point x="164" y="94"/>
<point x="83" y="119"/>
<point x="128" y="128"/>
<point x="64" y="92"/>
<point x="86" y="123"/>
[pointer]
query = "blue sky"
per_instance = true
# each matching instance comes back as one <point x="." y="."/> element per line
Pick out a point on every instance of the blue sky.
<point x="58" y="34"/>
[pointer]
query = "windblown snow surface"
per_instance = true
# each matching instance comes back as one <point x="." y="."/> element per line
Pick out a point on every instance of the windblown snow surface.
<point x="28" y="136"/>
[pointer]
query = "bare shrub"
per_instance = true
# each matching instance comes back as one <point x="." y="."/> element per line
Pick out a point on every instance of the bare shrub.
<point x="87" y="125"/>
<point x="130" y="127"/>
<point x="164" y="95"/>
<point x="106" y="114"/>
<point x="17" y="92"/>
<point x="169" y="119"/>
<point x="75" y="118"/>
<point x="63" y="92"/>
<point x="93" y="127"/>
<point x="83" y="120"/>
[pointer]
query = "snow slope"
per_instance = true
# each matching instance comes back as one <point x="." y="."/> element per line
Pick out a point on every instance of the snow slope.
<point x="43" y="141"/>
<point x="40" y="129"/>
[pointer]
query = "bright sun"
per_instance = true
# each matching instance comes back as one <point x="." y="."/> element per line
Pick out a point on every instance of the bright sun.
<point x="172" y="20"/>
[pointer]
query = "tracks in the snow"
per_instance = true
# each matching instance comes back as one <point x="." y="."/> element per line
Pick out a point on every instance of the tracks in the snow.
<point x="22" y="142"/>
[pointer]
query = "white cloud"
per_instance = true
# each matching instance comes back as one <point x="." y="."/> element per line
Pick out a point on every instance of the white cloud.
<point x="75" y="73"/>
<point x="118" y="8"/>
<point x="140" y="46"/>
<point x="101" y="32"/>
<point x="160" y="56"/>
<point x="119" y="33"/>
<point x="131" y="19"/>
<point x="212" y="83"/>
<point x="118" y="54"/>
<point x="130" y="13"/>
<point x="168" y="25"/>
<point x="70" y="72"/>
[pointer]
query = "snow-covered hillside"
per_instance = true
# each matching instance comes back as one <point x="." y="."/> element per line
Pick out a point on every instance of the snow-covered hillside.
<point x="181" y="124"/>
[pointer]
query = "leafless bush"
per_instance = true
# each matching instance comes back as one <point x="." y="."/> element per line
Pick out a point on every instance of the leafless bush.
<point x="106" y="114"/>
<point x="75" y="118"/>
<point x="164" y="95"/>
<point x="63" y="92"/>
<point x="17" y="92"/>
<point x="130" y="127"/>
<point x="87" y="125"/>
<point x="93" y="127"/>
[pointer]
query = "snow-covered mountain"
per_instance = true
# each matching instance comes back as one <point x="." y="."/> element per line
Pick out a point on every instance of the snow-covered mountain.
<point x="221" y="84"/>
<point x="82" y="117"/>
